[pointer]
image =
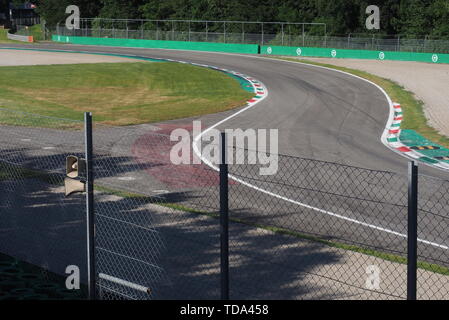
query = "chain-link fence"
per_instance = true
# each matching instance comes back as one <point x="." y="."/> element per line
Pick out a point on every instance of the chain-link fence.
<point x="312" y="230"/>
<point x="263" y="33"/>
<point x="147" y="238"/>
<point x="433" y="246"/>
<point x="330" y="231"/>
<point x="42" y="232"/>
<point x="147" y="245"/>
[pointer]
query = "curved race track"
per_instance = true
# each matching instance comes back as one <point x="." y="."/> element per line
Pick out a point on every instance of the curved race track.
<point x="324" y="115"/>
<point x="321" y="114"/>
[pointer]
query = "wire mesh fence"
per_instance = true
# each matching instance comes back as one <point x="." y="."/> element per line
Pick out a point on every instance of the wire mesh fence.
<point x="241" y="32"/>
<point x="146" y="235"/>
<point x="433" y="249"/>
<point x="312" y="230"/>
<point x="42" y="232"/>
<point x="330" y="231"/>
<point x="146" y="246"/>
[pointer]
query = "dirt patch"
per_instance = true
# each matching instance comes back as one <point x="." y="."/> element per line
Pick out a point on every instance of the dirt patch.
<point x="429" y="82"/>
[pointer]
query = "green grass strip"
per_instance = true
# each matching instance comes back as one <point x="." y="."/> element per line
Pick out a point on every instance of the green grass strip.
<point x="118" y="94"/>
<point x="4" y="37"/>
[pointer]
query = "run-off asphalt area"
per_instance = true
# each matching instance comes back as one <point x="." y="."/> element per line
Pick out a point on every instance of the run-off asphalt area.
<point x="322" y="115"/>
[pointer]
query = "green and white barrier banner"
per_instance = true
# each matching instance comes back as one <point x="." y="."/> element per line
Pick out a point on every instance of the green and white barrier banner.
<point x="355" y="54"/>
<point x="159" y="44"/>
<point x="256" y="49"/>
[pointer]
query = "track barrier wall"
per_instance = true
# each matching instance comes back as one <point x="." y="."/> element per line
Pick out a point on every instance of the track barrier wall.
<point x="157" y="44"/>
<point x="355" y="54"/>
<point x="20" y="38"/>
<point x="257" y="49"/>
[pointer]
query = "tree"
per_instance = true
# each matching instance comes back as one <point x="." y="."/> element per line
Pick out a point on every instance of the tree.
<point x="439" y="15"/>
<point x="415" y="20"/>
<point x="53" y="11"/>
<point x="405" y="17"/>
<point x="4" y="6"/>
<point x="117" y="9"/>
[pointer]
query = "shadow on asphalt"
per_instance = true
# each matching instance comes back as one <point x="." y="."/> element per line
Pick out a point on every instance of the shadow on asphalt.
<point x="175" y="254"/>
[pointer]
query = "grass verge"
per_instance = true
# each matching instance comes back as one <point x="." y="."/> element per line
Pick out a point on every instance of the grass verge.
<point x="4" y="38"/>
<point x="414" y="117"/>
<point x="117" y="93"/>
<point x="24" y="281"/>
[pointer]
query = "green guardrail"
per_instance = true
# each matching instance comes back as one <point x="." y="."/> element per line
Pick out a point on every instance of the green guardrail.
<point x="354" y="54"/>
<point x="159" y="44"/>
<point x="256" y="49"/>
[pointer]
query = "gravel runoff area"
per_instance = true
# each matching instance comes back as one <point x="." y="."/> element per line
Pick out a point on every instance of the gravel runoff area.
<point x="429" y="83"/>
<point x="30" y="58"/>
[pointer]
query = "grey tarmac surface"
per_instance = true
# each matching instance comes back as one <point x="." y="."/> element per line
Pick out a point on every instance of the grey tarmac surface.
<point x="428" y="81"/>
<point x="320" y="114"/>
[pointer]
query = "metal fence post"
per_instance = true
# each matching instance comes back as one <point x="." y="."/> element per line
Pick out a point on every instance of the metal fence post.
<point x="91" y="274"/>
<point x="262" y="35"/>
<point x="303" y="35"/>
<point x="127" y="30"/>
<point x="282" y="26"/>
<point x="224" y="220"/>
<point x="412" y="239"/>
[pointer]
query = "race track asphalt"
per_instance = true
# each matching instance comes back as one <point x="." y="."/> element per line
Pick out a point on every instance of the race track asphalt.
<point x="322" y="115"/>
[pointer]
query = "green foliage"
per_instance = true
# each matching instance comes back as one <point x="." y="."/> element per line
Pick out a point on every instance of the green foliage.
<point x="53" y="11"/>
<point x="35" y="31"/>
<point x="3" y="34"/>
<point x="3" y="5"/>
<point x="410" y="18"/>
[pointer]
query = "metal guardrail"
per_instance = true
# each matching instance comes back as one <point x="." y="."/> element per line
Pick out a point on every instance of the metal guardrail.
<point x="245" y="32"/>
<point x="262" y="33"/>
<point x="17" y="37"/>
